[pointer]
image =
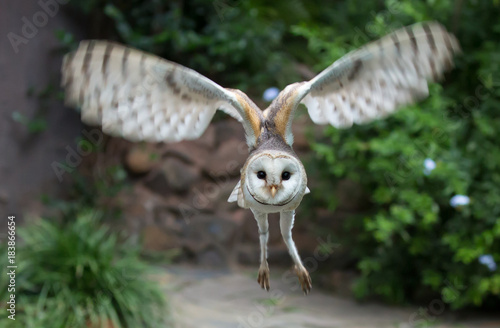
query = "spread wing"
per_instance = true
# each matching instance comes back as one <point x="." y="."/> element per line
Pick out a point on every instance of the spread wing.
<point x="237" y="196"/>
<point x="140" y="96"/>
<point x="371" y="82"/>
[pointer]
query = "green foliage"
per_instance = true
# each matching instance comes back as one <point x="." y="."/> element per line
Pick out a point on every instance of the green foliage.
<point x="79" y="274"/>
<point x="38" y="123"/>
<point x="413" y="239"/>
<point x="35" y="125"/>
<point x="242" y="44"/>
<point x="91" y="192"/>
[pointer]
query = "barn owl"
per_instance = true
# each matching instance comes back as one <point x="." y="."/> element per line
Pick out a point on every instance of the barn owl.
<point x="142" y="97"/>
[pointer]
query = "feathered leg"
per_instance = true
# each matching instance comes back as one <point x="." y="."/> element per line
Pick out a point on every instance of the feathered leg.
<point x="286" y="225"/>
<point x="263" y="277"/>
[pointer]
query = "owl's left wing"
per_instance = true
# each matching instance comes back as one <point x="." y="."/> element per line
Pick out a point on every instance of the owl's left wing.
<point x="370" y="82"/>
<point x="140" y="96"/>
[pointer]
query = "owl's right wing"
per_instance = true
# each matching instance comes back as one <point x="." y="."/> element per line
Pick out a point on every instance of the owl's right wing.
<point x="140" y="96"/>
<point x="371" y="82"/>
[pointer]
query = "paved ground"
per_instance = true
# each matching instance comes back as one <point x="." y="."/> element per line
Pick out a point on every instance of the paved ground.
<point x="207" y="299"/>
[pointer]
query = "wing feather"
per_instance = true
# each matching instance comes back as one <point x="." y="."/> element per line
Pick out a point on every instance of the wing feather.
<point x="374" y="81"/>
<point x="143" y="97"/>
<point x="237" y="196"/>
<point x="371" y="82"/>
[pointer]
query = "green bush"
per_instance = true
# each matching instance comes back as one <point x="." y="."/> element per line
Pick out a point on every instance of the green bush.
<point x="223" y="39"/>
<point x="413" y="240"/>
<point x="79" y="275"/>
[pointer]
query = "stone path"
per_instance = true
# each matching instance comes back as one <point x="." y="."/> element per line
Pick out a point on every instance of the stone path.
<point x="209" y="299"/>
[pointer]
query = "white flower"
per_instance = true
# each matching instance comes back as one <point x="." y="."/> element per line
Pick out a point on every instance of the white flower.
<point x="459" y="200"/>
<point x="429" y="165"/>
<point x="488" y="261"/>
<point x="270" y="93"/>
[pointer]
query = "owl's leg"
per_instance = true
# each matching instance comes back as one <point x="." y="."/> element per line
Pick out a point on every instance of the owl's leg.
<point x="263" y="277"/>
<point x="286" y="225"/>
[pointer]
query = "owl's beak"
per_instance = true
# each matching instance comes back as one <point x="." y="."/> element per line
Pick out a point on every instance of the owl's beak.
<point x="273" y="191"/>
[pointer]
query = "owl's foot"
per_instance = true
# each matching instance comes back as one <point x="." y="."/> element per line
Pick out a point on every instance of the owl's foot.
<point x="304" y="278"/>
<point x="263" y="277"/>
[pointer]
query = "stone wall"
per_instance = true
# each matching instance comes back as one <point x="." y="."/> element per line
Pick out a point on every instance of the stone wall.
<point x="179" y="199"/>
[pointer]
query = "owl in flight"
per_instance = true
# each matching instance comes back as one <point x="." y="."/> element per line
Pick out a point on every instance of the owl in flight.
<point x="142" y="97"/>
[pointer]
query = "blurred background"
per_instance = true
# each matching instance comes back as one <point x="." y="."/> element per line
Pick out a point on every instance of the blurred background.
<point x="401" y="229"/>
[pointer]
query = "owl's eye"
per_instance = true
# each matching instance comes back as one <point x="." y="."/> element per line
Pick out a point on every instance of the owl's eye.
<point x="285" y="175"/>
<point x="261" y="175"/>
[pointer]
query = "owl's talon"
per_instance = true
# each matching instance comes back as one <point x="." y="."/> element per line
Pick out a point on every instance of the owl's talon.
<point x="263" y="277"/>
<point x="304" y="279"/>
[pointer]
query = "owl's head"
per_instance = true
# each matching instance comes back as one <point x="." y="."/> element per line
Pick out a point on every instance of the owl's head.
<point x="275" y="178"/>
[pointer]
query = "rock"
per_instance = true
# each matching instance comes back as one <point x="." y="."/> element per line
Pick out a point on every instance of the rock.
<point x="158" y="183"/>
<point x="278" y="255"/>
<point x="305" y="241"/>
<point x="166" y="219"/>
<point x="341" y="282"/>
<point x="173" y="201"/>
<point x="251" y="229"/>
<point x="205" y="230"/>
<point x="201" y="198"/>
<point x="224" y="191"/>
<point x="193" y="246"/>
<point x="188" y="151"/>
<point x="138" y="208"/>
<point x="141" y="158"/>
<point x="221" y="229"/>
<point x="227" y="160"/>
<point x="179" y="175"/>
<point x="248" y="254"/>
<point x="155" y="239"/>
<point x="228" y="129"/>
<point x="239" y="217"/>
<point x="212" y="257"/>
